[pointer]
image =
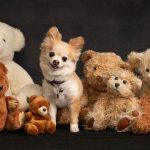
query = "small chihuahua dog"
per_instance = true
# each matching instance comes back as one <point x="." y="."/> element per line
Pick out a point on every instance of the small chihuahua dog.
<point x="61" y="85"/>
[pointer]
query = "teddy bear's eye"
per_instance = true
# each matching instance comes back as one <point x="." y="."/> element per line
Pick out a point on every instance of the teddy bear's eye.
<point x="51" y="54"/>
<point x="116" y="78"/>
<point x="94" y="68"/>
<point x="4" y="40"/>
<point x="147" y="70"/>
<point x="64" y="59"/>
<point x="124" y="81"/>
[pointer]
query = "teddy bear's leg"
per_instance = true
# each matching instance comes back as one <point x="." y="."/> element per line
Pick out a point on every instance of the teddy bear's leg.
<point x="31" y="129"/>
<point x="3" y="113"/>
<point x="50" y="127"/>
<point x="63" y="116"/>
<point x="15" y="120"/>
<point x="96" y="119"/>
<point x="142" y="125"/>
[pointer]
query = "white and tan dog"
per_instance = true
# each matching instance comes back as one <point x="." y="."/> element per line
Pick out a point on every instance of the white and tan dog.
<point x="61" y="86"/>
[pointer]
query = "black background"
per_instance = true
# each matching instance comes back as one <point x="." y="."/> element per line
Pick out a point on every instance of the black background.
<point x="107" y="25"/>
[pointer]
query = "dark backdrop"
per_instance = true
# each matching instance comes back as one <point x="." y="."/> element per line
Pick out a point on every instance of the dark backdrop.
<point x="107" y="25"/>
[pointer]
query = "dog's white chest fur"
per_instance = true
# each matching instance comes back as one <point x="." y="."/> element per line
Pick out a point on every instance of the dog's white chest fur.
<point x="61" y="94"/>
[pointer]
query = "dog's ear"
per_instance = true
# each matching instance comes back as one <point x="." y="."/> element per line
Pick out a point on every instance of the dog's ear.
<point x="87" y="55"/>
<point x="77" y="43"/>
<point x="53" y="34"/>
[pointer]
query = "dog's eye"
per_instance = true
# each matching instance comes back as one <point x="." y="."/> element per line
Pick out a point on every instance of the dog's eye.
<point x="4" y="40"/>
<point x="116" y="78"/>
<point x="51" y="54"/>
<point x="147" y="70"/>
<point x="124" y="81"/>
<point x="64" y="59"/>
<point x="94" y="68"/>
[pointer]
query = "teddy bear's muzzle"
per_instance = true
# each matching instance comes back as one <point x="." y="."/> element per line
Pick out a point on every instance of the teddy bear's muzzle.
<point x="42" y="111"/>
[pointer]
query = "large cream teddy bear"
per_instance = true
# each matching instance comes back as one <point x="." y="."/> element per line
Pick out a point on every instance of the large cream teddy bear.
<point x="21" y="84"/>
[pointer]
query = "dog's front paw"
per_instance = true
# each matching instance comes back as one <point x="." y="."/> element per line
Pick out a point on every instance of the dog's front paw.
<point x="74" y="128"/>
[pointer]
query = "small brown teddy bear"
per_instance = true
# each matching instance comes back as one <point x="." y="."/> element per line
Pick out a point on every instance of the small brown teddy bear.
<point x="141" y="62"/>
<point x="10" y="117"/>
<point x="97" y="69"/>
<point x="38" y="120"/>
<point x="118" y="107"/>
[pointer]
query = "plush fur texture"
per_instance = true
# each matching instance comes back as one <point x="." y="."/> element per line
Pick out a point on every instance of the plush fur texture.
<point x="12" y="40"/>
<point x="58" y="63"/>
<point x="10" y="117"/>
<point x="141" y="62"/>
<point x="38" y="120"/>
<point x="117" y="108"/>
<point x="97" y="69"/>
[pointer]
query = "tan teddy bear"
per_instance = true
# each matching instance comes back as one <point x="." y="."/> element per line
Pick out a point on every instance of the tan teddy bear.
<point x="118" y="107"/>
<point x="97" y="69"/>
<point x="141" y="62"/>
<point x="38" y="120"/>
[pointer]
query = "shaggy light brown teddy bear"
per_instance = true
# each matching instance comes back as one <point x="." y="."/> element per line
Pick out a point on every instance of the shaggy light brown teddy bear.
<point x="97" y="69"/>
<point x="141" y="62"/>
<point x="117" y="108"/>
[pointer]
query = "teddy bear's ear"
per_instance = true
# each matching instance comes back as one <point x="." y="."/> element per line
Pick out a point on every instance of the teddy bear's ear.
<point x="134" y="59"/>
<point x="77" y="43"/>
<point x="4" y="69"/>
<point x="126" y="65"/>
<point x="30" y="99"/>
<point x="19" y="40"/>
<point x="53" y="34"/>
<point x="137" y="83"/>
<point x="87" y="55"/>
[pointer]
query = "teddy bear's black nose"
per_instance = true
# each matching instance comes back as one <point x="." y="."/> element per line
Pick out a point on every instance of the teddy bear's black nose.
<point x="44" y="109"/>
<point x="117" y="84"/>
<point x="1" y="87"/>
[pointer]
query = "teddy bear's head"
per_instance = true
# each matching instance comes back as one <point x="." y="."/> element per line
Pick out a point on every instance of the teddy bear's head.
<point x="98" y="67"/>
<point x="38" y="105"/>
<point x="11" y="40"/>
<point x="123" y="83"/>
<point x="141" y="62"/>
<point x="4" y="84"/>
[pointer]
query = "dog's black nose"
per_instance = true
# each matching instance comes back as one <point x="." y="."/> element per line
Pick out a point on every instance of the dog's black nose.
<point x="55" y="62"/>
<point x="117" y="84"/>
<point x="44" y="109"/>
<point x="1" y="87"/>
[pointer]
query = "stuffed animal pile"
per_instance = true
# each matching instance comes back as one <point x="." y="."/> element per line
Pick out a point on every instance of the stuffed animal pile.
<point x="116" y="93"/>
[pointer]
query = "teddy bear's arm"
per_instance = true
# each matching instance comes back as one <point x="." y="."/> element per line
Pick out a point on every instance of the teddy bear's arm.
<point x="28" y="115"/>
<point x="23" y="78"/>
<point x="11" y="102"/>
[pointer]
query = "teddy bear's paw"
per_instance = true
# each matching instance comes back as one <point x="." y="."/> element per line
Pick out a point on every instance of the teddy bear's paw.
<point x="21" y="118"/>
<point x="90" y="123"/>
<point x="74" y="128"/>
<point x="135" y="113"/>
<point x="51" y="127"/>
<point x="31" y="129"/>
<point x="123" y="124"/>
<point x="13" y="104"/>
